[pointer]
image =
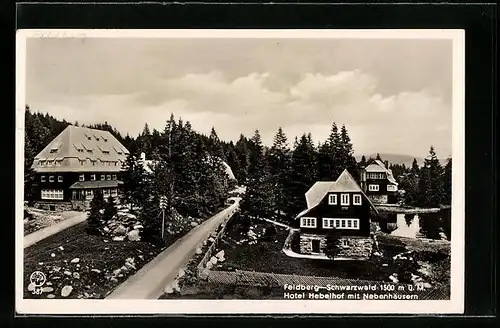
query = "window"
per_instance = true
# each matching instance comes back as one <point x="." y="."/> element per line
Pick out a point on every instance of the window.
<point x="103" y="177"/>
<point x="43" y="178"/>
<point x="81" y="177"/>
<point x="114" y="176"/>
<point x="373" y="187"/>
<point x="114" y="192"/>
<point x="52" y="194"/>
<point x="108" y="177"/>
<point x="41" y="163"/>
<point x="375" y="175"/>
<point x="59" y="178"/>
<point x="345" y="243"/>
<point x="106" y="192"/>
<point x="356" y="200"/>
<point x="391" y="188"/>
<point x="52" y="178"/>
<point x="89" y="194"/>
<point x="92" y="177"/>
<point x="332" y="199"/>
<point x="330" y="223"/>
<point x="344" y="199"/>
<point x="307" y="222"/>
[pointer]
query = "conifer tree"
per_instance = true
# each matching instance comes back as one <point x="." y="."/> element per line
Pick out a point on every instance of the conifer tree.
<point x="303" y="174"/>
<point x="135" y="189"/>
<point x="414" y="167"/>
<point x="447" y="177"/>
<point x="431" y="181"/>
<point x="278" y="160"/>
<point x="109" y="209"/>
<point x="94" y="217"/>
<point x="243" y="154"/>
<point x="259" y="196"/>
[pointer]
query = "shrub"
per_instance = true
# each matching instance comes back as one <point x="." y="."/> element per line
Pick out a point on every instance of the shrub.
<point x="245" y="224"/>
<point x="269" y="233"/>
<point x="95" y="216"/>
<point x="332" y="244"/>
<point x="109" y="209"/>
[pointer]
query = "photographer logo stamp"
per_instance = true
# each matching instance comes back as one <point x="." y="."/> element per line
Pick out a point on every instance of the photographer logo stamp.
<point x="37" y="280"/>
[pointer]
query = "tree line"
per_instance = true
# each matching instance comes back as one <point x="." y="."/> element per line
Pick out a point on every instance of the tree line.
<point x="189" y="174"/>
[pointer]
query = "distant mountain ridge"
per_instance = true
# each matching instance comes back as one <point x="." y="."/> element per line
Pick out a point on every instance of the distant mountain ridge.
<point x="407" y="160"/>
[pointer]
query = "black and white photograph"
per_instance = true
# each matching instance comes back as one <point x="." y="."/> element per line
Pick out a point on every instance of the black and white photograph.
<point x="240" y="171"/>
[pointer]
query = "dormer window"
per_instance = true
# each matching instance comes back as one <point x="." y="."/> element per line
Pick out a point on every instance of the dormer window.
<point x="344" y="199"/>
<point x="103" y="177"/>
<point x="356" y="199"/>
<point x="81" y="177"/>
<point x="332" y="199"/>
<point x="92" y="177"/>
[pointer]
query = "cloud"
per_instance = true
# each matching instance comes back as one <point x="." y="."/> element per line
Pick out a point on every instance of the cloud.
<point x="393" y="95"/>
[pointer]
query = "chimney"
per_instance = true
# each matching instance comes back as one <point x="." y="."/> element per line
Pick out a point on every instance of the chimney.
<point x="363" y="178"/>
<point x="143" y="156"/>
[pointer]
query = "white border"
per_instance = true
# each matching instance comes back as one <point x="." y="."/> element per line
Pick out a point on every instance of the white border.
<point x="454" y="305"/>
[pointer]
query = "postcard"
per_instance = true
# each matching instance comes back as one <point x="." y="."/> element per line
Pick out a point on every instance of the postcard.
<point x="240" y="171"/>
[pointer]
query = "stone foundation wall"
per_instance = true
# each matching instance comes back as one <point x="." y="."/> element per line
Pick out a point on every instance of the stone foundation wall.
<point x="355" y="247"/>
<point x="81" y="205"/>
<point x="379" y="199"/>
<point x="306" y="243"/>
<point x="54" y="206"/>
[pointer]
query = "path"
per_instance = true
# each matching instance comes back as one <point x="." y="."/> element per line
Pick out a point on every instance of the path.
<point x="149" y="282"/>
<point x="43" y="233"/>
<point x="276" y="223"/>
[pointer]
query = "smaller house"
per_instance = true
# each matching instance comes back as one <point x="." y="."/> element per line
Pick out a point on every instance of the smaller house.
<point x="378" y="183"/>
<point x="341" y="205"/>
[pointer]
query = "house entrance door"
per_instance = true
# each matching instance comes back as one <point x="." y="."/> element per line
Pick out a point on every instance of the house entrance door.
<point x="315" y="246"/>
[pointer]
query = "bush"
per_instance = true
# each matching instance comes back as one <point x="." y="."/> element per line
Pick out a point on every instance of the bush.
<point x="109" y="209"/>
<point x="269" y="233"/>
<point x="245" y="224"/>
<point x="95" y="216"/>
<point x="332" y="244"/>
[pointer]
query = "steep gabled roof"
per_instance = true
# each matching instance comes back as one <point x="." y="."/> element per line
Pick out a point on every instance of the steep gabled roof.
<point x="78" y="143"/>
<point x="344" y="183"/>
<point x="378" y="166"/>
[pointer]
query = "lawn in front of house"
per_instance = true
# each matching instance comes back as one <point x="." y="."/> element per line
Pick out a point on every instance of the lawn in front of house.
<point x="260" y="255"/>
<point x="86" y="262"/>
<point x="429" y="261"/>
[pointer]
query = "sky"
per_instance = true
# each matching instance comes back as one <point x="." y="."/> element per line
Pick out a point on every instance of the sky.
<point x="393" y="95"/>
